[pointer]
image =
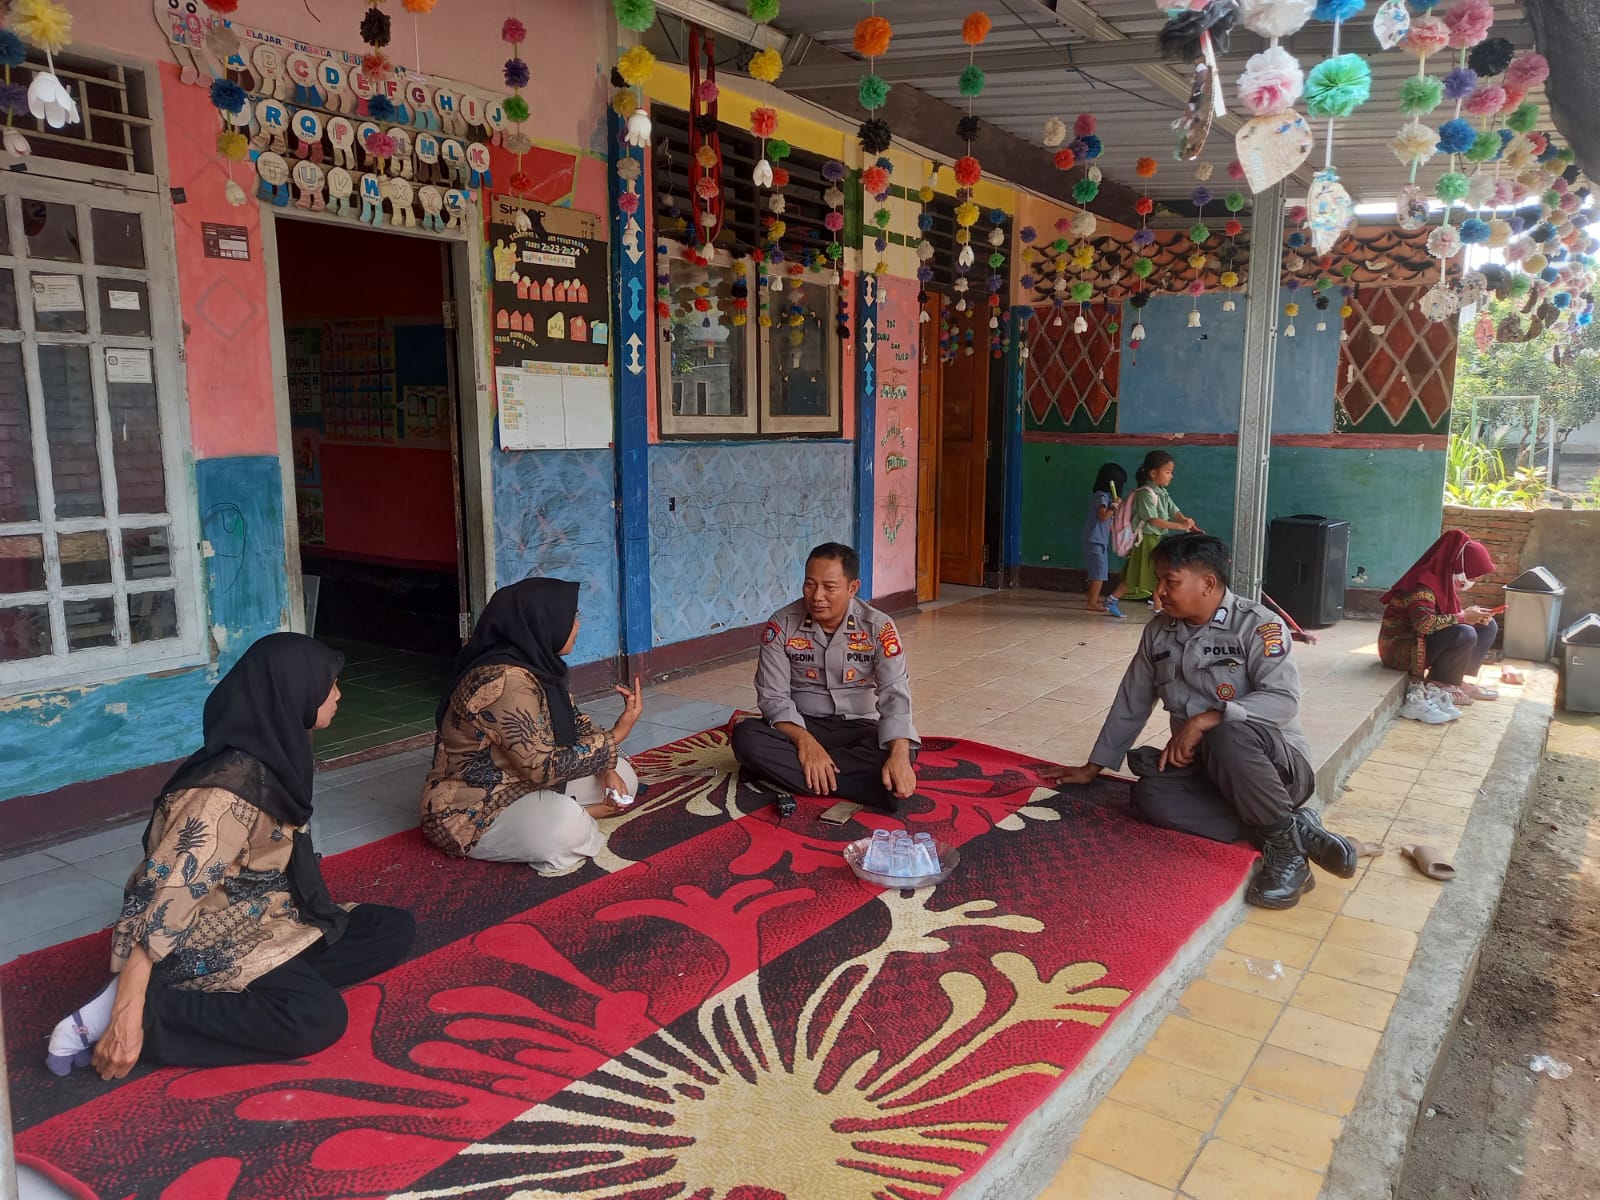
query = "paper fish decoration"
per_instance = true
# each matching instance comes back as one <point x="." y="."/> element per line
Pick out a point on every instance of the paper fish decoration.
<point x="1391" y="23"/>
<point x="1329" y="209"/>
<point x="1271" y="147"/>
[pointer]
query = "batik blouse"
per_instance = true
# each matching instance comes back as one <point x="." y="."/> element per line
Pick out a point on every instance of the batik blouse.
<point x="493" y="748"/>
<point x="1407" y="622"/>
<point x="210" y="903"/>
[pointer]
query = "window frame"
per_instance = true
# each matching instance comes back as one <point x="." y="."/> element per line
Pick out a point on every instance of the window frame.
<point x="831" y="422"/>
<point x="675" y="425"/>
<point x="158" y="277"/>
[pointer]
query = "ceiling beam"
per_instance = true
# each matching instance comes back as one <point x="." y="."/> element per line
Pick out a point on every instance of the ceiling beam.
<point x="712" y="16"/>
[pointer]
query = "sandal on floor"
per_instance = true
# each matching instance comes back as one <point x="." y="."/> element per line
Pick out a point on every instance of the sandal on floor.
<point x="1429" y="861"/>
<point x="1478" y="692"/>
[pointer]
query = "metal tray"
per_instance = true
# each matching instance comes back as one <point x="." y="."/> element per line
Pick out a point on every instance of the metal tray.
<point x="949" y="858"/>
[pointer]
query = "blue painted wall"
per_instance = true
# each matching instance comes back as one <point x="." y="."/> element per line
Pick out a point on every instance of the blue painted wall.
<point x="730" y="525"/>
<point x="52" y="738"/>
<point x="554" y="514"/>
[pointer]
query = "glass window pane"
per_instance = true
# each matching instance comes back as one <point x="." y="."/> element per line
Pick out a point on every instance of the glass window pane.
<point x="58" y="303"/>
<point x="708" y="350"/>
<point x="146" y="553"/>
<point x="136" y="445"/>
<point x="22" y="563"/>
<point x="124" y="308"/>
<point x="8" y="299"/>
<point x="85" y="558"/>
<point x="118" y="238"/>
<point x="5" y="228"/>
<point x="24" y="632"/>
<point x="797" y="358"/>
<point x="52" y="231"/>
<point x="19" y="493"/>
<point x="152" y="616"/>
<point x="69" y="421"/>
<point x="91" y="622"/>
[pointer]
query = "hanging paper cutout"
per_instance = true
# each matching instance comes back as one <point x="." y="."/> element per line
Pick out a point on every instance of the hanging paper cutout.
<point x="1391" y="23"/>
<point x="1330" y="211"/>
<point x="1270" y="148"/>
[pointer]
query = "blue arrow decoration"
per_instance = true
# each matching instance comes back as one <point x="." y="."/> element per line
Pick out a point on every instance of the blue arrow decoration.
<point x="635" y="287"/>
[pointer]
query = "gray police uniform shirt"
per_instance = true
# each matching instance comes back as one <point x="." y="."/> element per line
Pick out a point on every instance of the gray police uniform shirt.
<point x="1239" y="662"/>
<point x="858" y="673"/>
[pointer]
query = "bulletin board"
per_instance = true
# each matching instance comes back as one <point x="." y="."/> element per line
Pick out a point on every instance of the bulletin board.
<point x="551" y="314"/>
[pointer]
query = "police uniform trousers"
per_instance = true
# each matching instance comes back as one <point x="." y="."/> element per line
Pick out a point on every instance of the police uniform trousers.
<point x="853" y="745"/>
<point x="1245" y="778"/>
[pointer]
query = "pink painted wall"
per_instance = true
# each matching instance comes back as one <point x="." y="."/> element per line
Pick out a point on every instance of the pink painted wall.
<point x="227" y="342"/>
<point x="894" y="526"/>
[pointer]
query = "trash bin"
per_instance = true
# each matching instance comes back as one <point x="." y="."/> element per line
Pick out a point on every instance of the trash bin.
<point x="1308" y="558"/>
<point x="1533" y="614"/>
<point x="1580" y="661"/>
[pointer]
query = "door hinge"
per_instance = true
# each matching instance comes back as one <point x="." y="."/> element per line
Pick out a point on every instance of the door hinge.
<point x="464" y="623"/>
<point x="449" y="310"/>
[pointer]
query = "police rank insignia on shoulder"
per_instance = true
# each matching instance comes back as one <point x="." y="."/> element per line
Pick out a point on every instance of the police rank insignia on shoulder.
<point x="889" y="640"/>
<point x="771" y="633"/>
<point x="1272" y="643"/>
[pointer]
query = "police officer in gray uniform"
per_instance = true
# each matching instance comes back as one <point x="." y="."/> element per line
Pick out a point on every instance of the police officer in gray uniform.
<point x="1238" y="763"/>
<point x="834" y="693"/>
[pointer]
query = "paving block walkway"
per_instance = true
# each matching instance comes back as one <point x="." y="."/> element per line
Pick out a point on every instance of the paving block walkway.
<point x="1243" y="1090"/>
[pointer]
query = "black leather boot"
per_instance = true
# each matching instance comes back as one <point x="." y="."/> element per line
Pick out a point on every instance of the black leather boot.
<point x="1334" y="853"/>
<point x="1284" y="875"/>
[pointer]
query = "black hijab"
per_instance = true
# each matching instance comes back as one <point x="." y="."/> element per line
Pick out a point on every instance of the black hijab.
<point x="258" y="723"/>
<point x="526" y="624"/>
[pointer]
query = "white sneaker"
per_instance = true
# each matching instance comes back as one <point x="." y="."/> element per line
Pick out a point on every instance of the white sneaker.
<point x="1419" y="707"/>
<point x="1443" y="699"/>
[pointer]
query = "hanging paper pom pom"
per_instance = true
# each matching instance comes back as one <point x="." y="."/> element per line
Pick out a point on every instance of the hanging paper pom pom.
<point x="635" y="15"/>
<point x="1065" y="159"/>
<point x="1457" y="136"/>
<point x="1474" y="231"/>
<point x="46" y="24"/>
<point x="975" y="28"/>
<point x="1484" y="147"/>
<point x="1490" y="57"/>
<point x="1144" y="206"/>
<point x="1469" y="22"/>
<point x="706" y="125"/>
<point x="872" y="91"/>
<point x="1229" y="279"/>
<point x="1236" y="169"/>
<point x="629" y="170"/>
<point x="376" y="65"/>
<point x="1444" y="241"/>
<point x="1337" y="10"/>
<point x="381" y="108"/>
<point x="1091" y="146"/>
<point x="1197" y="287"/>
<point x="12" y="52"/>
<point x="966" y="214"/>
<point x="1082" y="291"/>
<point x="968" y="171"/>
<point x="1458" y="84"/>
<point x="411" y="6"/>
<point x="707" y="92"/>
<point x="1452" y="186"/>
<point x="1427" y="36"/>
<point x="375" y="27"/>
<point x="233" y="145"/>
<point x="1082" y="225"/>
<point x="1420" y="95"/>
<point x="1415" y="143"/>
<point x="1271" y="81"/>
<point x="1524" y="117"/>
<point x="872" y="36"/>
<point x="1197" y="262"/>
<point x="381" y="145"/>
<point x="874" y="135"/>
<point x="1274" y="18"/>
<point x="766" y="65"/>
<point x="763" y="122"/>
<point x="1198" y="232"/>
<point x="1143" y="267"/>
<point x="627" y="202"/>
<point x="1291" y="310"/>
<point x="516" y="73"/>
<point x="834" y="221"/>
<point x="1145" y="166"/>
<point x="1202" y="171"/>
<point x="513" y="31"/>
<point x="833" y="170"/>
<point x="515" y="108"/>
<point x="1085" y="190"/>
<point x="1201" y="196"/>
<point x="13" y="99"/>
<point x="1337" y="86"/>
<point x="972" y="80"/>
<point x="780" y="177"/>
<point x="1527" y="71"/>
<point x="874" y="180"/>
<point x="1233" y="201"/>
<point x="228" y="95"/>
<point x="761" y="11"/>
<point x="636" y="66"/>
<point x="518" y="142"/>
<point x="1084" y="125"/>
<point x="1055" y="131"/>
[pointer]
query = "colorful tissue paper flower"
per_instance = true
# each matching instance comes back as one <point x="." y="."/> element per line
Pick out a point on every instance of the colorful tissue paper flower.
<point x="967" y="171"/>
<point x="1427" y="36"/>
<point x="627" y="202"/>
<point x="13" y="98"/>
<point x="1486" y="101"/>
<point x="1459" y="83"/>
<point x="1456" y="136"/>
<point x="1065" y="159"/>
<point x="44" y="23"/>
<point x="636" y="65"/>
<point x="1452" y="186"/>
<point x="635" y="15"/>
<point x="1420" y="95"/>
<point x="1084" y="125"/>
<point x="516" y="73"/>
<point x="513" y="31"/>
<point x="1336" y="86"/>
<point x="12" y="52"/>
<point x="1490" y="57"/>
<point x="1337" y="10"/>
<point x="381" y="145"/>
<point x="766" y="65"/>
<point x="763" y="122"/>
<point x="1469" y="22"/>
<point x="1415" y="143"/>
<point x="975" y="28"/>
<point x="1275" y="18"/>
<point x="1271" y="81"/>
<point x="1142" y="267"/>
<point x="872" y="36"/>
<point x="1144" y="206"/>
<point x="874" y="180"/>
<point x="1092" y="146"/>
<point x="1484" y="147"/>
<point x="1201" y="196"/>
<point x="707" y="92"/>
<point x="228" y="95"/>
<point x="1474" y="231"/>
<point x="1145" y="167"/>
<point x="1055" y="131"/>
<point x="1233" y="228"/>
<point x="972" y="80"/>
<point x="515" y="108"/>
<point x="1444" y="241"/>
<point x="1085" y="190"/>
<point x="1527" y="70"/>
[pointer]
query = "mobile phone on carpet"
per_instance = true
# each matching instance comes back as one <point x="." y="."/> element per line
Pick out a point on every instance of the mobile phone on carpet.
<point x="839" y="813"/>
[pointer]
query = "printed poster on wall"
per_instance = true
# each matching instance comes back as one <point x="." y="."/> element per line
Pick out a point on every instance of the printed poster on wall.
<point x="551" y="316"/>
<point x="894" y="550"/>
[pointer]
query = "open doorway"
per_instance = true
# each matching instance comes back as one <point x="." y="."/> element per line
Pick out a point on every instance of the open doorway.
<point x="954" y="414"/>
<point x="374" y="430"/>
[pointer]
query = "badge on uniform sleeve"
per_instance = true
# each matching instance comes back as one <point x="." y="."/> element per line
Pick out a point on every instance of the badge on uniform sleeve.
<point x="771" y="633"/>
<point x="889" y="640"/>
<point x="1272" y="643"/>
<point x="1225" y="691"/>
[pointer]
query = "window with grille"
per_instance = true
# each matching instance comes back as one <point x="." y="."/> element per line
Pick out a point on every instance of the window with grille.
<point x="721" y="377"/>
<point x="96" y="572"/>
<point x="113" y="130"/>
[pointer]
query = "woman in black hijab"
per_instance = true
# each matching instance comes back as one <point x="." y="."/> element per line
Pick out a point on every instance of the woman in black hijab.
<point x="229" y="949"/>
<point x="519" y="774"/>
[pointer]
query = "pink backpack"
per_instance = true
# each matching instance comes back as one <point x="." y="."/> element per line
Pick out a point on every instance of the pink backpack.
<point x="1126" y="529"/>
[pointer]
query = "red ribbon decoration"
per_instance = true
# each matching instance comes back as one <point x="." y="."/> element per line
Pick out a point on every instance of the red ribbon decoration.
<point x="703" y="45"/>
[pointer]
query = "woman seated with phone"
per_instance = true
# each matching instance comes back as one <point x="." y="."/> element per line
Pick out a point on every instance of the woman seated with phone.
<point x="1428" y="632"/>
<point x="519" y="774"/>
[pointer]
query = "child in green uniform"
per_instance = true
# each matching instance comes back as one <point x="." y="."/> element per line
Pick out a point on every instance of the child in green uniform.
<point x="1158" y="514"/>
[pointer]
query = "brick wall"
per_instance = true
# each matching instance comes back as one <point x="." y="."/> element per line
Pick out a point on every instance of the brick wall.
<point x="1504" y="533"/>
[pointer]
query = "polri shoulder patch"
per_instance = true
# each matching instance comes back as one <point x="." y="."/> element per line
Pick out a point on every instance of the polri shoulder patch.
<point x="1273" y="644"/>
<point x="889" y="640"/>
<point x="771" y="633"/>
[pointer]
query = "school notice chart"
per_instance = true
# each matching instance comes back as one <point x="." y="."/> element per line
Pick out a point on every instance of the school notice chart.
<point x="548" y="407"/>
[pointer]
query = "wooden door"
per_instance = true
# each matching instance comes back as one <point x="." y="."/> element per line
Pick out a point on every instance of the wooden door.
<point x="930" y="399"/>
<point x="963" y="456"/>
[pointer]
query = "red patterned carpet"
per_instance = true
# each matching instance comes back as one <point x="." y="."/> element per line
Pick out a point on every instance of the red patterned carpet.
<point x="715" y="1010"/>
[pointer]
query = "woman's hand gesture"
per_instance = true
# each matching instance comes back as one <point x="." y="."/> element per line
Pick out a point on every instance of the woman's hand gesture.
<point x="632" y="707"/>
